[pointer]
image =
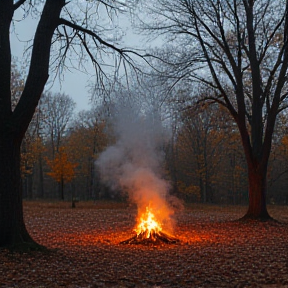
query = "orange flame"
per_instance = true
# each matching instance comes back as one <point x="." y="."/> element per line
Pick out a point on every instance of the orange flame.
<point x="147" y="224"/>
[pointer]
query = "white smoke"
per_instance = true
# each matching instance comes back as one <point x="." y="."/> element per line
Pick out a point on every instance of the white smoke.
<point x="135" y="162"/>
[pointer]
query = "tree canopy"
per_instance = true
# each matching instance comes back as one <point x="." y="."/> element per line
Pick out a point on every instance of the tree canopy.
<point x="237" y="52"/>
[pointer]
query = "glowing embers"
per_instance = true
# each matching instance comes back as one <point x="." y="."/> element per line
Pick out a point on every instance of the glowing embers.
<point x="149" y="231"/>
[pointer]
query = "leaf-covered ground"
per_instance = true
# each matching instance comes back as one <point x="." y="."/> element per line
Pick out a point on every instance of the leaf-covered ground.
<point x="215" y="251"/>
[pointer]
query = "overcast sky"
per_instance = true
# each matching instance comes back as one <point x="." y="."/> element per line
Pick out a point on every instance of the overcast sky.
<point x="75" y="84"/>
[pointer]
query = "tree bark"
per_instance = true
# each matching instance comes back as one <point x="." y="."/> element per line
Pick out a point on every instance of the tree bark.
<point x="257" y="196"/>
<point x="257" y="181"/>
<point x="13" y="125"/>
<point x="12" y="227"/>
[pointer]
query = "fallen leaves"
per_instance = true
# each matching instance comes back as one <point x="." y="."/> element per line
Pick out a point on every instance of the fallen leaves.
<point x="85" y="252"/>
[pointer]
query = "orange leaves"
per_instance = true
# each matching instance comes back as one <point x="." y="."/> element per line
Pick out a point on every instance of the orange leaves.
<point x="30" y="151"/>
<point x="61" y="168"/>
<point x="208" y="154"/>
<point x="284" y="142"/>
<point x="193" y="191"/>
<point x="214" y="251"/>
<point x="85" y="144"/>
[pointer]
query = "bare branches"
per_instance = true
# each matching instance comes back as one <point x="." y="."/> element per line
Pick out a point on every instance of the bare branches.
<point x="212" y="70"/>
<point x="270" y="38"/>
<point x="86" y="40"/>
<point x="18" y="4"/>
<point x="93" y="34"/>
<point x="245" y="49"/>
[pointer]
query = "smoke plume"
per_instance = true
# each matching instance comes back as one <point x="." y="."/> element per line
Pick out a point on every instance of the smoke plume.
<point x="135" y="162"/>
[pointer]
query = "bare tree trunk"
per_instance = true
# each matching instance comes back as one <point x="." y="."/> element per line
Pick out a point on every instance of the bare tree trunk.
<point x="257" y="195"/>
<point x="13" y="125"/>
<point x="12" y="227"/>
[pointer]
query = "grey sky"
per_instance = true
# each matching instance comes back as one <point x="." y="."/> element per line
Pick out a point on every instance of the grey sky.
<point x="75" y="83"/>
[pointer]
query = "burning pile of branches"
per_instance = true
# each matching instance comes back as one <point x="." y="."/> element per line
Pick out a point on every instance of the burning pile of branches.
<point x="149" y="231"/>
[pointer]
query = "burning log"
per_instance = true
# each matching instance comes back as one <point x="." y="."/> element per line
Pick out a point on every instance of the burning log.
<point x="155" y="238"/>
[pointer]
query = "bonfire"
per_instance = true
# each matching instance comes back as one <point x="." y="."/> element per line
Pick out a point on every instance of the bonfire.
<point x="149" y="231"/>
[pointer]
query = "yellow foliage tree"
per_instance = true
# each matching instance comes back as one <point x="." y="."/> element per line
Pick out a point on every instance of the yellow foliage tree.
<point x="62" y="170"/>
<point x="31" y="148"/>
<point x="87" y="140"/>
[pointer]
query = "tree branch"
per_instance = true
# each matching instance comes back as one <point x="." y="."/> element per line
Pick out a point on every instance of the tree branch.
<point x="270" y="38"/>
<point x="99" y="39"/>
<point x="18" y="4"/>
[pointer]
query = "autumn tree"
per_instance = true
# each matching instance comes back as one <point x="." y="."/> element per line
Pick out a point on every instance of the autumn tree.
<point x="62" y="169"/>
<point x="32" y="144"/>
<point x="237" y="49"/>
<point x="278" y="172"/>
<point x="86" y="141"/>
<point x="62" y="26"/>
<point x="284" y="150"/>
<point x="207" y="146"/>
<point x="32" y="149"/>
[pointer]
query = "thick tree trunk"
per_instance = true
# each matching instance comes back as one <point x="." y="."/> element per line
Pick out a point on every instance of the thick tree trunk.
<point x="257" y="195"/>
<point x="13" y="125"/>
<point x="12" y="228"/>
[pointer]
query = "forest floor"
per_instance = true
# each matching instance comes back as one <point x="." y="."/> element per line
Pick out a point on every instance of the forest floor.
<point x="84" y="249"/>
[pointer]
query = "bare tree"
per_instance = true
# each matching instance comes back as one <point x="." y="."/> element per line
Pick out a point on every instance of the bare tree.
<point x="59" y="109"/>
<point x="63" y="29"/>
<point x="239" y="50"/>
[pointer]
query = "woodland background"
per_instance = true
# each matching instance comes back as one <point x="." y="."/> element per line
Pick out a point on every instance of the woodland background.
<point x="204" y="159"/>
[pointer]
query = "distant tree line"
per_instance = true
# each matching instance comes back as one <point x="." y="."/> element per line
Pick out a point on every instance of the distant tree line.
<point x="204" y="157"/>
<point x="207" y="163"/>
